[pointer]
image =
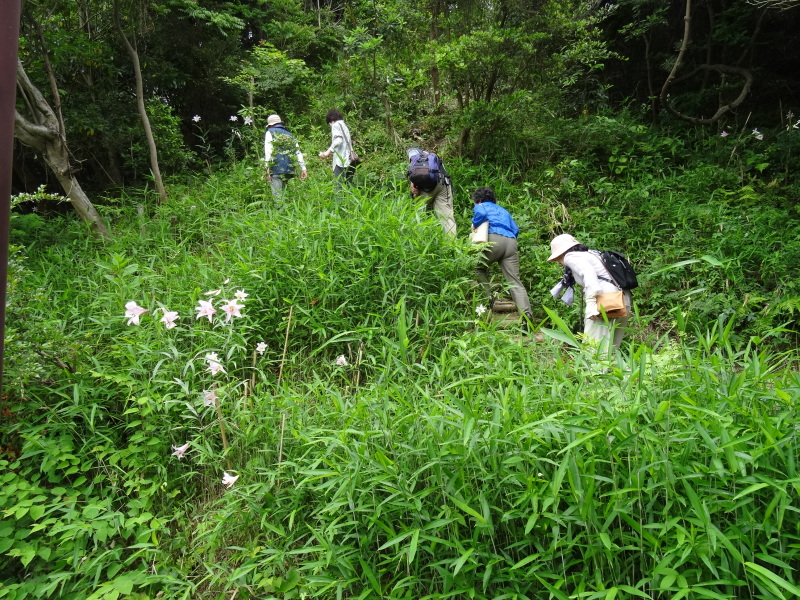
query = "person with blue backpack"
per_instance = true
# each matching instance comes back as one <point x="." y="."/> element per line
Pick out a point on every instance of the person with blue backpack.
<point x="501" y="248"/>
<point x="282" y="156"/>
<point x="429" y="180"/>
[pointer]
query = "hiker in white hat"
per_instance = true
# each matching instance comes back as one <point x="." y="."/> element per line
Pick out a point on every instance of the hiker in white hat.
<point x="584" y="267"/>
<point x="280" y="165"/>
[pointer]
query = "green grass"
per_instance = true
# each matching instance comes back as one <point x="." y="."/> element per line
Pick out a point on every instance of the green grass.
<point x="447" y="459"/>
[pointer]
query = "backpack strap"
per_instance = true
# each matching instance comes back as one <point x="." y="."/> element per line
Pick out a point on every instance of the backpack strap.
<point x="612" y="281"/>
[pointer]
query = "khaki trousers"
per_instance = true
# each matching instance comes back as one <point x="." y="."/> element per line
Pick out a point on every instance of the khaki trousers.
<point x="504" y="250"/>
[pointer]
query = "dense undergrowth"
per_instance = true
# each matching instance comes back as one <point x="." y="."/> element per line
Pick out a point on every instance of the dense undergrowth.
<point x="388" y="442"/>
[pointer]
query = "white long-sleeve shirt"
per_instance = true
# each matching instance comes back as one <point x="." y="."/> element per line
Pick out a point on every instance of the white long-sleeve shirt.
<point x="341" y="144"/>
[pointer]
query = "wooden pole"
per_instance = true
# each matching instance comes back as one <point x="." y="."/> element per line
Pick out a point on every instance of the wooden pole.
<point x="9" y="42"/>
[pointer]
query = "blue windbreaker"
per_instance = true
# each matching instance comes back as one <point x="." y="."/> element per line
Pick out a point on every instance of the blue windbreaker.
<point x="500" y="221"/>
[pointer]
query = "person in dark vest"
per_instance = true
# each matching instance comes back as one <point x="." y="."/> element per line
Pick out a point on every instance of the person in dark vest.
<point x="282" y="156"/>
<point x="436" y="190"/>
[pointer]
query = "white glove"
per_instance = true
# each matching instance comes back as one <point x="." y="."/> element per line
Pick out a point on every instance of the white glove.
<point x="591" y="307"/>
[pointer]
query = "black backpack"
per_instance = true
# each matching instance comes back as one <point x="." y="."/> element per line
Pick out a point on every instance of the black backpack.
<point x="425" y="170"/>
<point x="619" y="268"/>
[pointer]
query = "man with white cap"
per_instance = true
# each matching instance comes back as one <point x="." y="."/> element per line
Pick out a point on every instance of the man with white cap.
<point x="429" y="179"/>
<point x="280" y="165"/>
<point x="584" y="267"/>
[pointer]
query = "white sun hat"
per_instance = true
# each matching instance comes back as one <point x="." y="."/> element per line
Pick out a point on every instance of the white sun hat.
<point x="560" y="244"/>
<point x="273" y="120"/>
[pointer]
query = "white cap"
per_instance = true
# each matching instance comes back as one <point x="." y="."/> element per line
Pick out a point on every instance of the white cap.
<point x="412" y="152"/>
<point x="560" y="244"/>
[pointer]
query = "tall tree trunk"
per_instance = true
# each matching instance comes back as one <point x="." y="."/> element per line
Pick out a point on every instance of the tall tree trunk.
<point x="650" y="87"/>
<point x="148" y="132"/>
<point x="41" y="133"/>
<point x="434" y="37"/>
<point x="723" y="69"/>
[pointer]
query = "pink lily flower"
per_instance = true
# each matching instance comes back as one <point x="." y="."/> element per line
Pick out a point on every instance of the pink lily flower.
<point x="341" y="361"/>
<point x="241" y="295"/>
<point x="213" y="363"/>
<point x="204" y="308"/>
<point x="180" y="450"/>
<point x="133" y="312"/>
<point x="231" y="309"/>
<point x="228" y="480"/>
<point x="209" y="398"/>
<point x="169" y="318"/>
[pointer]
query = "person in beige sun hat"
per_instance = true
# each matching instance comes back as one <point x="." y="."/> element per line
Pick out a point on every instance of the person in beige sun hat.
<point x="584" y="267"/>
<point x="282" y="156"/>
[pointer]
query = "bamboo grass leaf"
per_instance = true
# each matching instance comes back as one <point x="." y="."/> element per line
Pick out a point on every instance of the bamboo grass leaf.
<point x="396" y="540"/>
<point x="554" y="591"/>
<point x="470" y="511"/>
<point x="412" y="549"/>
<point x="564" y="333"/>
<point x="528" y="559"/>
<point x="750" y="489"/>
<point x="765" y="575"/>
<point x="461" y="560"/>
<point x="370" y="576"/>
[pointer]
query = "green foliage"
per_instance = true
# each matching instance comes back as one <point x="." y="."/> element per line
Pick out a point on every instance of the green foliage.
<point x="173" y="155"/>
<point x="271" y="77"/>
<point x="437" y="454"/>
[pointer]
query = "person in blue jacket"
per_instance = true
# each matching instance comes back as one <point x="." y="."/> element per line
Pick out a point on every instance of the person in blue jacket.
<point x="502" y="248"/>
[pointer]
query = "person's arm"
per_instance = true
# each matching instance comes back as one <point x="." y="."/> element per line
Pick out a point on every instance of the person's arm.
<point x="301" y="161"/>
<point x="582" y="267"/>
<point x="480" y="215"/>
<point x="267" y="152"/>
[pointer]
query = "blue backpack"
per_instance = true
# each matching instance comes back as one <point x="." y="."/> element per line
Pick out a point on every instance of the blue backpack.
<point x="425" y="170"/>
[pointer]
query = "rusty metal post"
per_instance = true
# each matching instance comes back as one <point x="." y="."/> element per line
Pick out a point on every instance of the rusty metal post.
<point x="9" y="44"/>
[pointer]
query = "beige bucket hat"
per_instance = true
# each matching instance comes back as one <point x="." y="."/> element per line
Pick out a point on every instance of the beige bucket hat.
<point x="560" y="244"/>
<point x="273" y="120"/>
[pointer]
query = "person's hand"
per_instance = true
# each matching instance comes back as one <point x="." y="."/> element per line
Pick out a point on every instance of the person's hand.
<point x="414" y="190"/>
<point x="269" y="177"/>
<point x="325" y="154"/>
<point x="304" y="174"/>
